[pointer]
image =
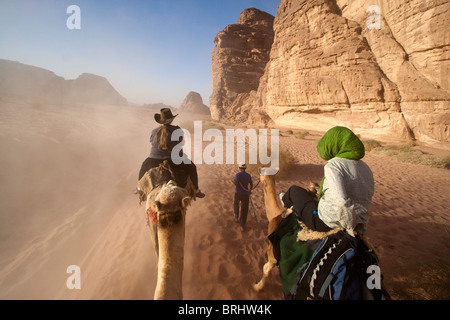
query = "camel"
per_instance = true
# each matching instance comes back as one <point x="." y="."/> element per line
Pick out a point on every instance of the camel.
<point x="274" y="212"/>
<point x="167" y="205"/>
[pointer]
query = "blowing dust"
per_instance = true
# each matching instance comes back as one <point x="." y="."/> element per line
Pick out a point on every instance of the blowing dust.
<point x="67" y="175"/>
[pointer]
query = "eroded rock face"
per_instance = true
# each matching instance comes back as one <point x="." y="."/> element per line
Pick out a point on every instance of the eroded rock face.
<point x="382" y="71"/>
<point x="322" y="71"/>
<point x="238" y="61"/>
<point x="411" y="47"/>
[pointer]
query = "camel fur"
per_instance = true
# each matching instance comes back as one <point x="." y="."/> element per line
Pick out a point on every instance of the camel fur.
<point x="274" y="212"/>
<point x="306" y="234"/>
<point x="170" y="203"/>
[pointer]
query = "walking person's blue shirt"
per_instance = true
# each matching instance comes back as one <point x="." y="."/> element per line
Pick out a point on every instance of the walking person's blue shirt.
<point x="243" y="179"/>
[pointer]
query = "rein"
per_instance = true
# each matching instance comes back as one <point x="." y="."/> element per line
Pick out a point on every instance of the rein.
<point x="250" y="197"/>
<point x="245" y="189"/>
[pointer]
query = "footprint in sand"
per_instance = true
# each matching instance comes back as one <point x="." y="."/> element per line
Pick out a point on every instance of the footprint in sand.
<point x="242" y="261"/>
<point x="208" y="240"/>
<point x="223" y="273"/>
<point x="230" y="232"/>
<point x="255" y="247"/>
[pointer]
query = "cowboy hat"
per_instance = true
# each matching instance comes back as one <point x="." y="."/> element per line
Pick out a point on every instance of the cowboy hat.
<point x="165" y="116"/>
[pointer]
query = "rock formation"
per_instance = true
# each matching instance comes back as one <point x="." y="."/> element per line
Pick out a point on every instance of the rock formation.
<point x="193" y="104"/>
<point x="238" y="61"/>
<point x="378" y="67"/>
<point x="20" y="82"/>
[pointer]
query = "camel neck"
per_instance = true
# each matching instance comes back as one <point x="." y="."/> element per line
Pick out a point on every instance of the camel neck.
<point x="273" y="208"/>
<point x="170" y="263"/>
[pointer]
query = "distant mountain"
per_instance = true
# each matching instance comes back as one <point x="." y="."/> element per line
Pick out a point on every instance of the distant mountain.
<point x="20" y="82"/>
<point x="193" y="104"/>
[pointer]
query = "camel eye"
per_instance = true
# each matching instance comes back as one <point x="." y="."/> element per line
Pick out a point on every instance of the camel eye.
<point x="158" y="205"/>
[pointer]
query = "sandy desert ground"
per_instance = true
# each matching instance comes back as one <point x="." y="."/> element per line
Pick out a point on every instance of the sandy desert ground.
<point x="67" y="174"/>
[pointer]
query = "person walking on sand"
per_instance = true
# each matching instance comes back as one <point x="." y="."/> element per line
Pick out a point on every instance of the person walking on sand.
<point x="161" y="149"/>
<point x="244" y="184"/>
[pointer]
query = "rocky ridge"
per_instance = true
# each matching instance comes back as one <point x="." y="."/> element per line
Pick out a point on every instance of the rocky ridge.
<point x="378" y="67"/>
<point x="20" y="82"/>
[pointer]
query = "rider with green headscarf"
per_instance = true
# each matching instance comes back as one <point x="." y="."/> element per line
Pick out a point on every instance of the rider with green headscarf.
<point x="346" y="190"/>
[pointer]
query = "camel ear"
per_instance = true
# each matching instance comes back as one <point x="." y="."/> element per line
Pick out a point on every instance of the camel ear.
<point x="155" y="205"/>
<point x="185" y="202"/>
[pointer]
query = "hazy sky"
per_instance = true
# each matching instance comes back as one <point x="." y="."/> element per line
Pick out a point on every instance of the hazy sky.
<point x="150" y="50"/>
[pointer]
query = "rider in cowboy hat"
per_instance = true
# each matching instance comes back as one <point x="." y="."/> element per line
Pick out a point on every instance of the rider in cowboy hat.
<point x="161" y="149"/>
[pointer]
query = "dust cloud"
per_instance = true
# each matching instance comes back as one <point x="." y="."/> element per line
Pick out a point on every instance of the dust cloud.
<point x="67" y="174"/>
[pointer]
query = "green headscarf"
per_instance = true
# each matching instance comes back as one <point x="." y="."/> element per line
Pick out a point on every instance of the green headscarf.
<point x="339" y="142"/>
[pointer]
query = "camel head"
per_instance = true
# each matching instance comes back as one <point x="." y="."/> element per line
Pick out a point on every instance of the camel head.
<point x="167" y="204"/>
<point x="267" y="177"/>
<point x="170" y="203"/>
<point x="271" y="200"/>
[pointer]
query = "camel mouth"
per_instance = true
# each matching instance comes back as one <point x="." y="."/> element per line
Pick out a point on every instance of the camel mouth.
<point x="167" y="219"/>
